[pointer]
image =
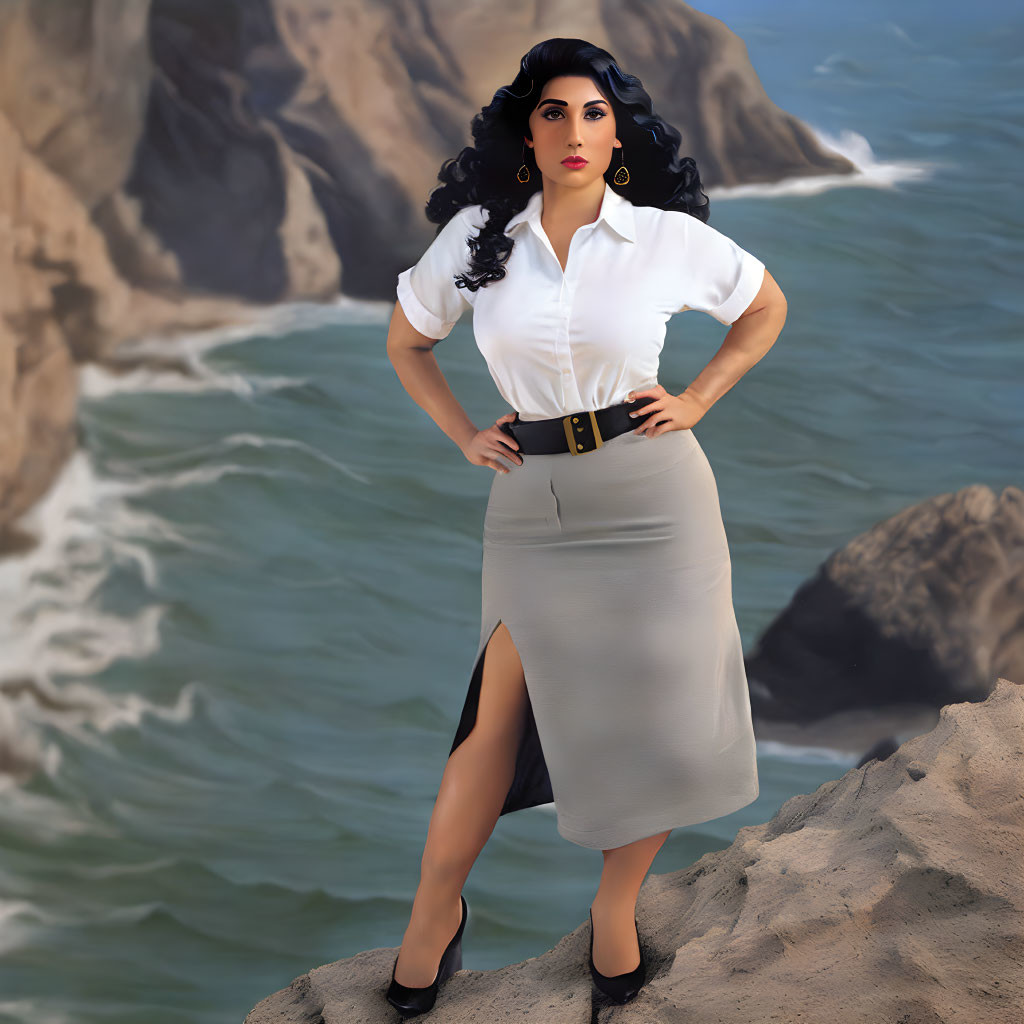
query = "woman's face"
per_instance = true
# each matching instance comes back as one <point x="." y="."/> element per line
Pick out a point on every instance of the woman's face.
<point x="572" y="117"/>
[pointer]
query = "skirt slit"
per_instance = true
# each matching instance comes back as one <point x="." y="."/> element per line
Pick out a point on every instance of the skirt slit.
<point x="531" y="784"/>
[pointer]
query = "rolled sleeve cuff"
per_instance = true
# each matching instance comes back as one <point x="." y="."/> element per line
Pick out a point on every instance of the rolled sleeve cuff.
<point x="417" y="314"/>
<point x="751" y="278"/>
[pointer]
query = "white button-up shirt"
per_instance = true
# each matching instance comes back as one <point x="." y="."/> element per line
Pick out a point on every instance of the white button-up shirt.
<point x="562" y="342"/>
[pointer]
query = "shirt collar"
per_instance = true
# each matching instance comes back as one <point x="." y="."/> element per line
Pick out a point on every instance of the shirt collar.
<point x="616" y="212"/>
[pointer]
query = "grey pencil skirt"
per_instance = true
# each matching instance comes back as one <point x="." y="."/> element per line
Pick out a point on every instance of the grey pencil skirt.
<point x="611" y="571"/>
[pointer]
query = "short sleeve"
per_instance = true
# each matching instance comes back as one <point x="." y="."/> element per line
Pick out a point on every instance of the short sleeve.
<point x="717" y="276"/>
<point x="426" y="291"/>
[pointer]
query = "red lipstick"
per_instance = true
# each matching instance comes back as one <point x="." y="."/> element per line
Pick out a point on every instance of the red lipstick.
<point x="574" y="162"/>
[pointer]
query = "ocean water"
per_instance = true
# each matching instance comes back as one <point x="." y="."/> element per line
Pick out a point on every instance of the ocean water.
<point x="233" y="668"/>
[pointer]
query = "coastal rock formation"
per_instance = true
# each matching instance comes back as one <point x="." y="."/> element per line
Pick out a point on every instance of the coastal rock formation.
<point x="893" y="893"/>
<point x="924" y="608"/>
<point x="61" y="303"/>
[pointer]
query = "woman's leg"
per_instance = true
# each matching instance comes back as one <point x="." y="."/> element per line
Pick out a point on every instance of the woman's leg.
<point x="473" y="788"/>
<point x="614" y="907"/>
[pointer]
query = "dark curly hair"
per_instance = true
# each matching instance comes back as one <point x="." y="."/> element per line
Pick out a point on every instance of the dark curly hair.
<point x="485" y="173"/>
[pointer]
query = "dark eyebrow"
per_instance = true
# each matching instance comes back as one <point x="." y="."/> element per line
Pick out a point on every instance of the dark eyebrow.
<point x="562" y="103"/>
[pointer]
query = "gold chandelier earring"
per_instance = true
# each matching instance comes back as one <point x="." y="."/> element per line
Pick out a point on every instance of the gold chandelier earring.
<point x="523" y="174"/>
<point x="622" y="174"/>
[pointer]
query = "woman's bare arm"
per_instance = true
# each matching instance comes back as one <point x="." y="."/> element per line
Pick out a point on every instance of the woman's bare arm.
<point x="412" y="356"/>
<point x="747" y="343"/>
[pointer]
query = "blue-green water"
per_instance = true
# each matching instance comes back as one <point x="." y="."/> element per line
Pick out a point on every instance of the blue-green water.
<point x="249" y="628"/>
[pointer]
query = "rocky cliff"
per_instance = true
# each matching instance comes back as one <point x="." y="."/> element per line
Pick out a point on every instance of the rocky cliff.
<point x="62" y="302"/>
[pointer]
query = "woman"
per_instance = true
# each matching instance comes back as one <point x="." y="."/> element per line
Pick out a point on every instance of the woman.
<point x="609" y="675"/>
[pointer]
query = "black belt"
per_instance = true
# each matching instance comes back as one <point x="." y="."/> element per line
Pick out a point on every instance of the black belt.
<point x="577" y="433"/>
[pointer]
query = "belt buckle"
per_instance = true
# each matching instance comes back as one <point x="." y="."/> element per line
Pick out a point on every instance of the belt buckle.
<point x="573" y="425"/>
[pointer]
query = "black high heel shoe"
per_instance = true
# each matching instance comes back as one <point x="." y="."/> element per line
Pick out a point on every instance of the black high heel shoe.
<point x="620" y="987"/>
<point x="410" y="1000"/>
